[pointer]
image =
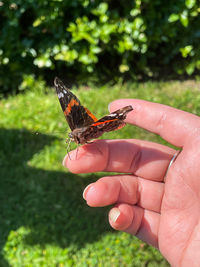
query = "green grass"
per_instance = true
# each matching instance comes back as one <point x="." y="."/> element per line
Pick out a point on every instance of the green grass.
<point x="44" y="220"/>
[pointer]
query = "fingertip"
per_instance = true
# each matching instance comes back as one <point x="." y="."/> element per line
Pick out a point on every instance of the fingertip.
<point x="113" y="215"/>
<point x="114" y="105"/>
<point x="64" y="162"/>
<point x="90" y="194"/>
<point x="94" y="195"/>
<point x="85" y="191"/>
<point x="72" y="155"/>
<point x="119" y="103"/>
<point x="72" y="158"/>
<point x="102" y="193"/>
<point x="87" y="158"/>
<point x="121" y="217"/>
<point x="110" y="106"/>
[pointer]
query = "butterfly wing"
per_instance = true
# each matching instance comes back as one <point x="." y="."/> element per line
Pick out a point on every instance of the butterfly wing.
<point x="113" y="121"/>
<point x="76" y="115"/>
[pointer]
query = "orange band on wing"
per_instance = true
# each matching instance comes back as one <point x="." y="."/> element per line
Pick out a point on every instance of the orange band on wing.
<point x="90" y="114"/>
<point x="69" y="106"/>
<point x="103" y="122"/>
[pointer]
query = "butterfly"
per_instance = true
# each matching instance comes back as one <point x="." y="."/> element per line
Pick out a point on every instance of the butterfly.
<point x="83" y="124"/>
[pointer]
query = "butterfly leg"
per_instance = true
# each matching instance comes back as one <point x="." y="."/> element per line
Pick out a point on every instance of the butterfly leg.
<point x="68" y="141"/>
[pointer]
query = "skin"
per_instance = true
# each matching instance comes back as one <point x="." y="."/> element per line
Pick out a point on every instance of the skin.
<point x="160" y="209"/>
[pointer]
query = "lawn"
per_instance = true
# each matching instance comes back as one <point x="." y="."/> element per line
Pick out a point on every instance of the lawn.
<point x="44" y="220"/>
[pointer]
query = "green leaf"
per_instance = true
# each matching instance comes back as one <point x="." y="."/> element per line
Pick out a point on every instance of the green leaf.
<point x="184" y="18"/>
<point x="185" y="51"/>
<point x="103" y="18"/>
<point x="101" y="9"/>
<point x="198" y="64"/>
<point x="134" y="12"/>
<point x="123" y="68"/>
<point x="68" y="56"/>
<point x="38" y="21"/>
<point x="173" y="17"/>
<point x="190" y="3"/>
<point x="95" y="49"/>
<point x="190" y="68"/>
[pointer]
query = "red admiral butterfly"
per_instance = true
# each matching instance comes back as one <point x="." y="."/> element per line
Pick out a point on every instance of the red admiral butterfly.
<point x="83" y="123"/>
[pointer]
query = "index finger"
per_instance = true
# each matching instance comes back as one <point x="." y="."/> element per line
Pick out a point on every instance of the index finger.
<point x="142" y="158"/>
<point x="173" y="125"/>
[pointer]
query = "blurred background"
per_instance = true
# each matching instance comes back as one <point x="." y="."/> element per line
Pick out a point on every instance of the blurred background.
<point x="104" y="50"/>
<point x="97" y="40"/>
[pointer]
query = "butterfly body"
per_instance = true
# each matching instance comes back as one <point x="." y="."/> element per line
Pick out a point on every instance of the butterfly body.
<point x="83" y="123"/>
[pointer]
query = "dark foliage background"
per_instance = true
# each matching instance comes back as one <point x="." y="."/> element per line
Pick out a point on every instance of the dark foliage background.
<point x="97" y="40"/>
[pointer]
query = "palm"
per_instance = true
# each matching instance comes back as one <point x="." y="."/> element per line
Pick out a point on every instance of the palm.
<point x="180" y="210"/>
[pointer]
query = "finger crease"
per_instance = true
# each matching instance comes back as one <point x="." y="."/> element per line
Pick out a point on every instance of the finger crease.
<point x="108" y="159"/>
<point x="135" y="162"/>
<point x="138" y="191"/>
<point x="140" y="225"/>
<point x="160" y="123"/>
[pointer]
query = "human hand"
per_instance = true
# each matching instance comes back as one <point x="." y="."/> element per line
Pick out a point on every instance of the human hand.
<point x="161" y="210"/>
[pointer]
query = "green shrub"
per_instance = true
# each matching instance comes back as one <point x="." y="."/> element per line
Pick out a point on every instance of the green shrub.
<point x="110" y="38"/>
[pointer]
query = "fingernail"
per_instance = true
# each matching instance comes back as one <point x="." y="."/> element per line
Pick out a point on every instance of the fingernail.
<point x="114" y="214"/>
<point x="90" y="187"/>
<point x="109" y="105"/>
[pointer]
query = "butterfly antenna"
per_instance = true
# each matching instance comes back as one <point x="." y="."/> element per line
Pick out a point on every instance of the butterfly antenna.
<point x="50" y="133"/>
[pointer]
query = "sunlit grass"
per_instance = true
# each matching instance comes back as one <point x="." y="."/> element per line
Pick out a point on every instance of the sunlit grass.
<point x="44" y="221"/>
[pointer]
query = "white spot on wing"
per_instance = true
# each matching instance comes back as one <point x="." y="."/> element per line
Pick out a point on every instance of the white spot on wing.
<point x="112" y="115"/>
<point x="60" y="95"/>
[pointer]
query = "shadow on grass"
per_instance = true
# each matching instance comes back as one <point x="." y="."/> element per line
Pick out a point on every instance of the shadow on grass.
<point x="49" y="203"/>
